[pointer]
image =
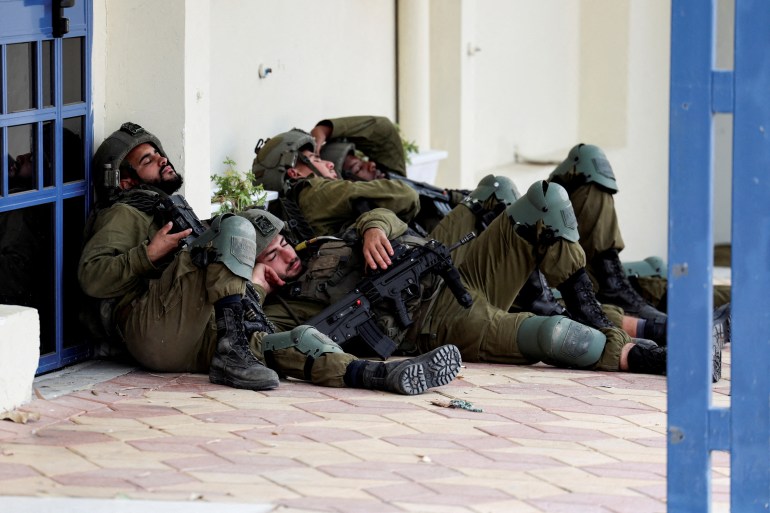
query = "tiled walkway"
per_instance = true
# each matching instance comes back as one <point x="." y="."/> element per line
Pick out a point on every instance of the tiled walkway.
<point x="547" y="440"/>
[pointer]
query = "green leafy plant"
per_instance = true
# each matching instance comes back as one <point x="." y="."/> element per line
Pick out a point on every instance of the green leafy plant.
<point x="236" y="191"/>
<point x="410" y="147"/>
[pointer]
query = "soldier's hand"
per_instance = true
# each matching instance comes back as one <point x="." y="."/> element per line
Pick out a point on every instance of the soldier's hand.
<point x="377" y="249"/>
<point x="164" y="243"/>
<point x="320" y="133"/>
<point x="266" y="278"/>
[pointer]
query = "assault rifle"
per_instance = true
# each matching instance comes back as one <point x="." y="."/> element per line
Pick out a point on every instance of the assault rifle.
<point x="351" y="319"/>
<point x="182" y="216"/>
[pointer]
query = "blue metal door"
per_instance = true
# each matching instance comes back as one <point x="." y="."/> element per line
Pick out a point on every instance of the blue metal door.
<point x="698" y="91"/>
<point x="45" y="144"/>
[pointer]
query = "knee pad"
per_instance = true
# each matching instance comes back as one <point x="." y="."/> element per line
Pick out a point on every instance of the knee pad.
<point x="589" y="164"/>
<point x="501" y="187"/>
<point x="560" y="341"/>
<point x="305" y="339"/>
<point x="547" y="202"/>
<point x="649" y="267"/>
<point x="232" y="240"/>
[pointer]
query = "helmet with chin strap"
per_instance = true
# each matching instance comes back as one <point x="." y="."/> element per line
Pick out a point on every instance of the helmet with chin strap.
<point x="276" y="155"/>
<point x="110" y="157"/>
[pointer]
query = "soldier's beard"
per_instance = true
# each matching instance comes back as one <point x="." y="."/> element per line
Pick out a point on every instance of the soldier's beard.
<point x="172" y="185"/>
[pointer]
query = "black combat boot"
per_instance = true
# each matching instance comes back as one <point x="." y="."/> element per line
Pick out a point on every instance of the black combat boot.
<point x="578" y="294"/>
<point x="720" y="335"/>
<point x="233" y="363"/>
<point x="615" y="289"/>
<point x="409" y="377"/>
<point x="536" y="297"/>
<point x="646" y="359"/>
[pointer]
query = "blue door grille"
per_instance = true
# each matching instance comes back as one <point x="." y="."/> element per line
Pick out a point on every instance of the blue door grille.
<point x="698" y="92"/>
<point x="45" y="143"/>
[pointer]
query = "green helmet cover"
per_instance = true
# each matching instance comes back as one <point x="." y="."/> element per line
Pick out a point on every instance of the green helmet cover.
<point x="113" y="150"/>
<point x="336" y="152"/>
<point x="276" y="155"/>
<point x="266" y="225"/>
<point x="550" y="203"/>
<point x="589" y="162"/>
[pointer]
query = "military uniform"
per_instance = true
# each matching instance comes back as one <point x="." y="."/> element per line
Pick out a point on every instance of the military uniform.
<point x="375" y="136"/>
<point x="493" y="270"/>
<point x="164" y="313"/>
<point x="329" y="205"/>
<point x="599" y="231"/>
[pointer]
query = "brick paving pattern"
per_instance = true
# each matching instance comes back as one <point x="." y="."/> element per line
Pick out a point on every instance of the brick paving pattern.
<point x="547" y="440"/>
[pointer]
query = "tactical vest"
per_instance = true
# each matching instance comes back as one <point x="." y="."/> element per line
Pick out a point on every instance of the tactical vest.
<point x="336" y="268"/>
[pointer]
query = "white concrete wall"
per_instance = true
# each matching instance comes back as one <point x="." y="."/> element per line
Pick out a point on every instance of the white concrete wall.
<point x="328" y="59"/>
<point x="187" y="70"/>
<point x="551" y="74"/>
<point x="506" y="76"/>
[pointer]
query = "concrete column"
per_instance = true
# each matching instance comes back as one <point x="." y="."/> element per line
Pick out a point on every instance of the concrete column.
<point x="196" y="140"/>
<point x="157" y="75"/>
<point x="414" y="70"/>
<point x="451" y="83"/>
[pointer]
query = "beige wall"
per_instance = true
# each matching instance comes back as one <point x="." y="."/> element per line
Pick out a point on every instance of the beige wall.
<point x="505" y="76"/>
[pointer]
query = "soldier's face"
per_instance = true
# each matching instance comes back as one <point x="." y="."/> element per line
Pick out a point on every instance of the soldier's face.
<point x="324" y="167"/>
<point x="280" y="256"/>
<point x="362" y="169"/>
<point x="152" y="167"/>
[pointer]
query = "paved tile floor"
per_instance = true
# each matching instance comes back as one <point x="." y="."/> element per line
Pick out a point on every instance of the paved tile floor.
<point x="546" y="440"/>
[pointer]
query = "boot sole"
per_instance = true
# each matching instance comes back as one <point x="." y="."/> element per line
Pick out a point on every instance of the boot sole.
<point x="219" y="377"/>
<point x="434" y="369"/>
<point x="720" y="336"/>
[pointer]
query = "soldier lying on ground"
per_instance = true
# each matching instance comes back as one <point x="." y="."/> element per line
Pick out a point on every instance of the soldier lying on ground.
<point x="181" y="309"/>
<point x="536" y="231"/>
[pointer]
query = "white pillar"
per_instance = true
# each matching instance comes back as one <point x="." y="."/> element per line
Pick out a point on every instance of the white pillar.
<point x="414" y="70"/>
<point x="452" y="93"/>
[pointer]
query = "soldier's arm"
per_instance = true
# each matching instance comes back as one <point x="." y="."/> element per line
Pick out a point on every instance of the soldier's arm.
<point x="115" y="259"/>
<point x="375" y="136"/>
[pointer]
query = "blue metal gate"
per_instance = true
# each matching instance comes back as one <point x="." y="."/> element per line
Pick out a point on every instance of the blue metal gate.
<point x="698" y="91"/>
<point x="45" y="146"/>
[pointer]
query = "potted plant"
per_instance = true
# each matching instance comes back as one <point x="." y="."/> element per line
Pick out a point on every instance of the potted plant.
<point x="234" y="191"/>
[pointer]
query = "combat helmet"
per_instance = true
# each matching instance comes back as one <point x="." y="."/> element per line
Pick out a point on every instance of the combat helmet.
<point x="111" y="153"/>
<point x="336" y="152"/>
<point x="589" y="164"/>
<point x="266" y="225"/>
<point x="276" y="155"/>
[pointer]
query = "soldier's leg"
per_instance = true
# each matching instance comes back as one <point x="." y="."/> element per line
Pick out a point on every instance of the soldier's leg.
<point x="456" y="224"/>
<point x="304" y="353"/>
<point x="597" y="220"/>
<point x="172" y="328"/>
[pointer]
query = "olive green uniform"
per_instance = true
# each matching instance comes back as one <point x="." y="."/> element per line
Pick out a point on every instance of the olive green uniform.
<point x="329" y="205"/>
<point x="600" y="231"/>
<point x="375" y="136"/>
<point x="493" y="270"/>
<point x="164" y="313"/>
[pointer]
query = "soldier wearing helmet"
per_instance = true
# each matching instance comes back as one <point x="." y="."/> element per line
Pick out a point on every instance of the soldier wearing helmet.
<point x="175" y="308"/>
<point x="537" y="231"/>
<point x="185" y="308"/>
<point x="288" y="162"/>
<point x="588" y="178"/>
